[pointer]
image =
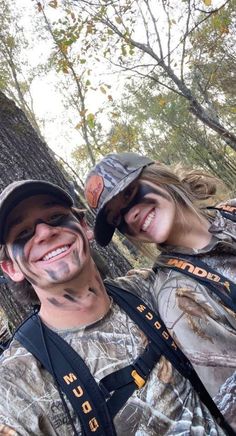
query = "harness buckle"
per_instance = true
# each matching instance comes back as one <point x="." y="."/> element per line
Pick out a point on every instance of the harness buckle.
<point x="139" y="381"/>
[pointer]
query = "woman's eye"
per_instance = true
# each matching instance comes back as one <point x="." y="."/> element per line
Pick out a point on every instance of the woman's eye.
<point x="128" y="192"/>
<point x="112" y="219"/>
<point x="116" y="220"/>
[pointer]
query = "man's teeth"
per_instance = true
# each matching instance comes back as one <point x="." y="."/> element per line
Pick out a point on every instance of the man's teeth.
<point x="55" y="252"/>
<point x="148" y="220"/>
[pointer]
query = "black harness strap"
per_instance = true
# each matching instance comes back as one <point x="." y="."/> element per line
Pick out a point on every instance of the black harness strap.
<point x="226" y="211"/>
<point x="152" y="325"/>
<point x="198" y="270"/>
<point x="72" y="374"/>
<point x="132" y="305"/>
<point x="126" y="380"/>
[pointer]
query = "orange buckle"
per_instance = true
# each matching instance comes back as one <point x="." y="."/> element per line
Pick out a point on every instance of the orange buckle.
<point x="140" y="382"/>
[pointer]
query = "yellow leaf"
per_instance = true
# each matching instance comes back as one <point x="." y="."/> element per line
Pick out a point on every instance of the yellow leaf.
<point x="224" y="29"/>
<point x="78" y="126"/>
<point x="207" y="2"/>
<point x="53" y="4"/>
<point x="162" y="101"/>
<point x="103" y="90"/>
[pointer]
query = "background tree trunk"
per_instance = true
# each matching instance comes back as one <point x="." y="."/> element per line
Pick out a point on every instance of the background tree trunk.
<point x="25" y="156"/>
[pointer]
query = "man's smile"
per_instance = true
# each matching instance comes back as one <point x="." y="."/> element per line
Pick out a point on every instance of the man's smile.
<point x="56" y="252"/>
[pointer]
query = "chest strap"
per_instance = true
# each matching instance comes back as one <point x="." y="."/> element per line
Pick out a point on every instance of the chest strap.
<point x="126" y="380"/>
<point x="198" y="270"/>
<point x="70" y="373"/>
<point x="226" y="211"/>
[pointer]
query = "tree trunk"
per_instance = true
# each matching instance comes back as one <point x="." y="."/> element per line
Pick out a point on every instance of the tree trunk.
<point x="25" y="156"/>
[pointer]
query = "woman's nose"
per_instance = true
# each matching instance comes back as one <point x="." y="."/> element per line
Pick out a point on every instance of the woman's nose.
<point x="131" y="216"/>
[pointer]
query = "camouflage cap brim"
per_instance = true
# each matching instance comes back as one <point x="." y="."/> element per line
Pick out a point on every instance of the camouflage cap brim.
<point x="103" y="231"/>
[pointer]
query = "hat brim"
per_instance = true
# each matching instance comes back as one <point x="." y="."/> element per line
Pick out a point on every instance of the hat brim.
<point x="25" y="190"/>
<point x="103" y="231"/>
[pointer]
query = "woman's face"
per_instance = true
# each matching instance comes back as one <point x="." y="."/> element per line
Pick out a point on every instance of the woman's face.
<point x="144" y="211"/>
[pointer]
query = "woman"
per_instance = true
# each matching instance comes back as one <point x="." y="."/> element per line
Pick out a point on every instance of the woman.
<point x="147" y="202"/>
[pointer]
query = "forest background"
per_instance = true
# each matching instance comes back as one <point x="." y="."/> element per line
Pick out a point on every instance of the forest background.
<point x="157" y="77"/>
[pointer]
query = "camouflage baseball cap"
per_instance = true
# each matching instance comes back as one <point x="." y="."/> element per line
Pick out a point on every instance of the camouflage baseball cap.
<point x="17" y="191"/>
<point x="109" y="177"/>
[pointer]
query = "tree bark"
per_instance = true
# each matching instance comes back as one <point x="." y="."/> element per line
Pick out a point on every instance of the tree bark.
<point x="25" y="156"/>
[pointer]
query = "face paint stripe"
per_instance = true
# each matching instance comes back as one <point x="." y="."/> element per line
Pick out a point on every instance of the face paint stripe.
<point x="65" y="221"/>
<point x="139" y="197"/>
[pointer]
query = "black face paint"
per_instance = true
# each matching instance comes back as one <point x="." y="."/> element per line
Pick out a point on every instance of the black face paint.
<point x="52" y="274"/>
<point x="62" y="220"/>
<point x="70" y="298"/>
<point x="19" y="243"/>
<point x="55" y="302"/>
<point x="76" y="258"/>
<point x="62" y="267"/>
<point x="139" y="197"/>
<point x="70" y="291"/>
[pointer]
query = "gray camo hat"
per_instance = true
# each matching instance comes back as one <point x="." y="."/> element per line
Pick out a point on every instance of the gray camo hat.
<point x="17" y="191"/>
<point x="109" y="177"/>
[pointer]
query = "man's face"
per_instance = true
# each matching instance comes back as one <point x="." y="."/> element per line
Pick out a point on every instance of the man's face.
<point x="46" y="243"/>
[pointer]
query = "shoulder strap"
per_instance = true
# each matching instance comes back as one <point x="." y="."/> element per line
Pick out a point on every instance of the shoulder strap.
<point x="198" y="270"/>
<point x="71" y="373"/>
<point x="226" y="211"/>
<point x="152" y="325"/>
<point x="95" y="405"/>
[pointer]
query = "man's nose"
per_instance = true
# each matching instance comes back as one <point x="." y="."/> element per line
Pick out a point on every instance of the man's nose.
<point x="43" y="231"/>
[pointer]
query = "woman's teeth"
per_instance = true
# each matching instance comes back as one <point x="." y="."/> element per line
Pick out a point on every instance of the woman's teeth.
<point x="148" y="220"/>
<point x="55" y="252"/>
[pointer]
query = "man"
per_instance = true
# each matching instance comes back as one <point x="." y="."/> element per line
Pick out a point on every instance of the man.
<point x="45" y="250"/>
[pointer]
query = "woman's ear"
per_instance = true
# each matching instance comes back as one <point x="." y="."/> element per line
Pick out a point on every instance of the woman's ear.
<point x="12" y="270"/>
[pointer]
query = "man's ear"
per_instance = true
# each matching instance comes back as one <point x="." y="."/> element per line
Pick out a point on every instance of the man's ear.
<point x="12" y="270"/>
<point x="87" y="229"/>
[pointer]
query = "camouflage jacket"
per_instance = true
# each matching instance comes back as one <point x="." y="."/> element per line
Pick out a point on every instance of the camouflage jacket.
<point x="166" y="405"/>
<point x="200" y="324"/>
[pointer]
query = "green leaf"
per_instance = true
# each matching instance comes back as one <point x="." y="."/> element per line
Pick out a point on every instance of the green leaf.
<point x="118" y="20"/>
<point x="90" y="120"/>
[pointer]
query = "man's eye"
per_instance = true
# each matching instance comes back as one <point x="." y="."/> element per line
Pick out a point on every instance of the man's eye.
<point x="24" y="234"/>
<point x="56" y="218"/>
